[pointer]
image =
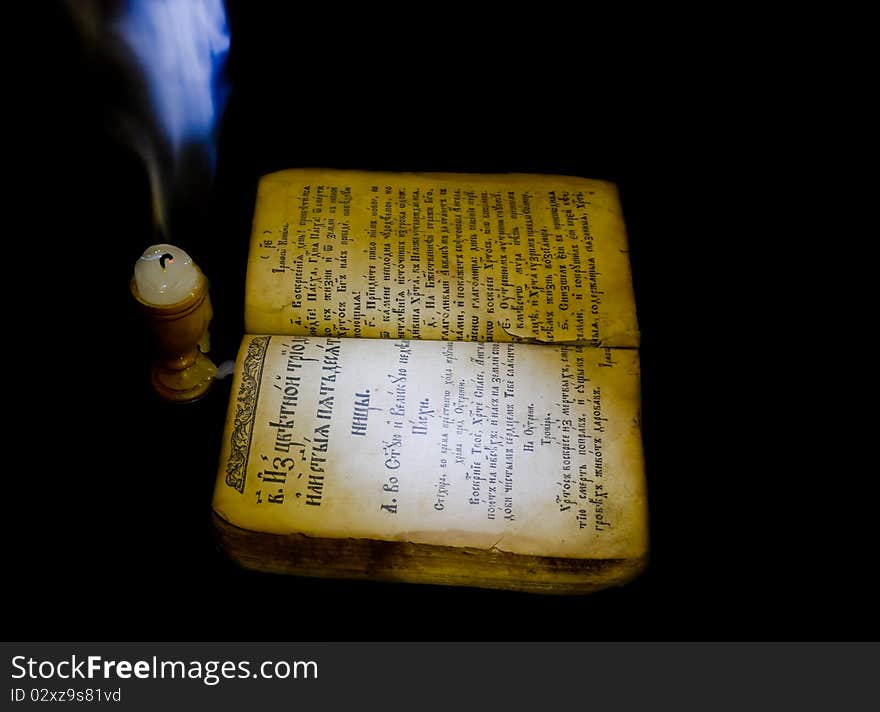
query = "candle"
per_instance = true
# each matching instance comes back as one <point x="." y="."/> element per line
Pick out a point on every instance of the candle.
<point x="165" y="274"/>
<point x="173" y="294"/>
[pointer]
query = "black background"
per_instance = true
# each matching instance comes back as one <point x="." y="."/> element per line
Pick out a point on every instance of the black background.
<point x="108" y="507"/>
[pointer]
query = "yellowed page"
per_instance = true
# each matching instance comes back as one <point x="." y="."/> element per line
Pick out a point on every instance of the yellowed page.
<point x="453" y="257"/>
<point x="530" y="449"/>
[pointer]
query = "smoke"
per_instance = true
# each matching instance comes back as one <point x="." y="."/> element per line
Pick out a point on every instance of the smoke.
<point x="171" y="55"/>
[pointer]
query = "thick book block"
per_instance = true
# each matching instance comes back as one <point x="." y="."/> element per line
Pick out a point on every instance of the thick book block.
<point x="448" y="389"/>
<point x="419" y="563"/>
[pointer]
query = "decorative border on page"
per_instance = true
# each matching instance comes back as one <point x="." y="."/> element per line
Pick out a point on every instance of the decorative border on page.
<point x="245" y="411"/>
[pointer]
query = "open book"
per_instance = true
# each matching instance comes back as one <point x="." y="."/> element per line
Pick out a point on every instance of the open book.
<point x="439" y="383"/>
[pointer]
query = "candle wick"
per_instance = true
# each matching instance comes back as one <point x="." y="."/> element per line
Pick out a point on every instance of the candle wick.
<point x="167" y="256"/>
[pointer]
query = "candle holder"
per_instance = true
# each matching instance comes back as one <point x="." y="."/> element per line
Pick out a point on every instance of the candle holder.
<point x="182" y="372"/>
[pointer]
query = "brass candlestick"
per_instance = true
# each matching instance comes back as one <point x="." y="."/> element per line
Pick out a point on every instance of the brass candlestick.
<point x="182" y="372"/>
